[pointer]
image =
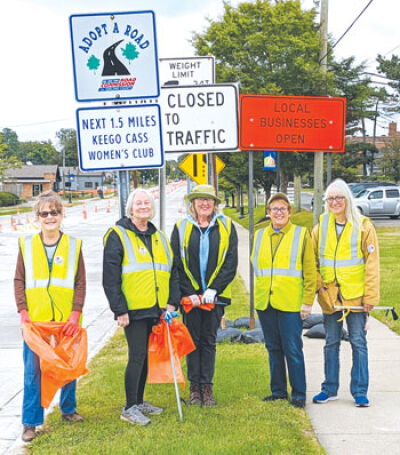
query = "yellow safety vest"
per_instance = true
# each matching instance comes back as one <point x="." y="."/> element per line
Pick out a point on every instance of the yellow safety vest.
<point x="341" y="261"/>
<point x="279" y="275"/>
<point x="145" y="279"/>
<point x="185" y="227"/>
<point x="50" y="293"/>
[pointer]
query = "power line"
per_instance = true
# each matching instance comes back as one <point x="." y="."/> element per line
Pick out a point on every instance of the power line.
<point x="348" y="29"/>
<point x="40" y="123"/>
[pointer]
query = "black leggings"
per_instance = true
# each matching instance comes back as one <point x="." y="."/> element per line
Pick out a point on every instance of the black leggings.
<point x="137" y="335"/>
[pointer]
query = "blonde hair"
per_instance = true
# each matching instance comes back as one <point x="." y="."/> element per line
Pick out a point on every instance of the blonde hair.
<point x="131" y="200"/>
<point x="195" y="215"/>
<point x="48" y="197"/>
<point x="339" y="187"/>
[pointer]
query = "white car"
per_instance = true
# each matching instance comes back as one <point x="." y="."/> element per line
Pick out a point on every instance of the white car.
<point x="379" y="201"/>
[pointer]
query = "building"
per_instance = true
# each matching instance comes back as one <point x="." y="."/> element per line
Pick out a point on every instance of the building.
<point x="76" y="180"/>
<point x="30" y="180"/>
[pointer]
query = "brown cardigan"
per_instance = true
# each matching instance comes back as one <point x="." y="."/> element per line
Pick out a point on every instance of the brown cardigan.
<point x="79" y="288"/>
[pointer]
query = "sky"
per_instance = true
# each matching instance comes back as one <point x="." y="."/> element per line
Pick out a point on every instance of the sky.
<point x="36" y="78"/>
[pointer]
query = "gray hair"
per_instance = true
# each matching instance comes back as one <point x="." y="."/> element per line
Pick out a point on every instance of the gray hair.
<point x="340" y="188"/>
<point x="131" y="199"/>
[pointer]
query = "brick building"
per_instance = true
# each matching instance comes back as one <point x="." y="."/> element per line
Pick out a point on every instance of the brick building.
<point x="30" y="180"/>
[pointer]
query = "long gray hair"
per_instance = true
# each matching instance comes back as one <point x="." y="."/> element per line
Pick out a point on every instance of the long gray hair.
<point x="339" y="187"/>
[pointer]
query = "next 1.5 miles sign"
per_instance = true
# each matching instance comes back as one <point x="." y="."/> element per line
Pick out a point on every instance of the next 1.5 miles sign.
<point x="125" y="137"/>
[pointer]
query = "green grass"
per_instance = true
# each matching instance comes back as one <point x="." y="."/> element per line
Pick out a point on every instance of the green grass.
<point x="240" y="424"/>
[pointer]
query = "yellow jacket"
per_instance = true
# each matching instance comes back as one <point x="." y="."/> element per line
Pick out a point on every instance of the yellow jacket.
<point x="330" y="297"/>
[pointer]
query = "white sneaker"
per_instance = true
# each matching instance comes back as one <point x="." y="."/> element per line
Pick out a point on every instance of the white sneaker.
<point x="134" y="415"/>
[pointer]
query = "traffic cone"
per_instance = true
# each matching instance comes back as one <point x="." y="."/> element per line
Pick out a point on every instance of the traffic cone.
<point x="84" y="212"/>
<point x="95" y="208"/>
<point x="1" y="227"/>
<point x="109" y="206"/>
<point x="13" y="223"/>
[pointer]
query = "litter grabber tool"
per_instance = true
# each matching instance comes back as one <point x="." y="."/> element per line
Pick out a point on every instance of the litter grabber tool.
<point x="171" y="354"/>
<point x="347" y="310"/>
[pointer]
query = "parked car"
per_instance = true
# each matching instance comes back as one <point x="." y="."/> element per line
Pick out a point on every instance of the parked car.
<point x="379" y="201"/>
<point x="356" y="188"/>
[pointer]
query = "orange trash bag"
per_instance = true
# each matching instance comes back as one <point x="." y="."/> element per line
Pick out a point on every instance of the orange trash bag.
<point x="62" y="358"/>
<point x="188" y="306"/>
<point x="159" y="359"/>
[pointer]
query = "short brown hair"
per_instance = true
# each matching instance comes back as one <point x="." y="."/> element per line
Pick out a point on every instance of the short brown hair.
<point x="49" y="197"/>
<point x="278" y="197"/>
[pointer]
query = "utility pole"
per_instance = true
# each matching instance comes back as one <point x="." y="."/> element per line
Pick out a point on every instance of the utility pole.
<point x="319" y="156"/>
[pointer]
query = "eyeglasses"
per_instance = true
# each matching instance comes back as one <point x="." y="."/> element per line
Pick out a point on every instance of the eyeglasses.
<point x="46" y="214"/>
<point x="279" y="209"/>
<point x="205" y="199"/>
<point x="335" y="199"/>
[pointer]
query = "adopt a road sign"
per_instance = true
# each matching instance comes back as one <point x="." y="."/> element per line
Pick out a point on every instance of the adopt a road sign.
<point x="123" y="137"/>
<point x="187" y="71"/>
<point x="200" y="118"/>
<point x="292" y="123"/>
<point x="114" y="56"/>
<point x="195" y="167"/>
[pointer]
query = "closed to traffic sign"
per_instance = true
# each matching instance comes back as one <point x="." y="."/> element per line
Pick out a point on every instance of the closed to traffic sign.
<point x="292" y="123"/>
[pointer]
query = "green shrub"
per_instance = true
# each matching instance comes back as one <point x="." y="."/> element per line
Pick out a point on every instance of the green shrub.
<point x="8" y="199"/>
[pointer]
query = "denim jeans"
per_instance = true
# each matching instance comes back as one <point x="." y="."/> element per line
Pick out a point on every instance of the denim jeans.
<point x="32" y="411"/>
<point x="282" y="334"/>
<point x="358" y="340"/>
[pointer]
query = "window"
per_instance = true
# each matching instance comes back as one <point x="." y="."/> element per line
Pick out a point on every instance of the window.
<point x="37" y="189"/>
<point x="392" y="193"/>
<point x="88" y="184"/>
<point x="376" y="195"/>
<point x="67" y="184"/>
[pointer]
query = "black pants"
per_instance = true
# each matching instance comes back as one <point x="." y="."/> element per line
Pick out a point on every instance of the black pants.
<point x="203" y="326"/>
<point x="137" y="335"/>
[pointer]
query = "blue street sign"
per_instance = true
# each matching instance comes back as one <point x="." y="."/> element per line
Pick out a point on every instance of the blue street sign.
<point x="71" y="177"/>
<point x="269" y="160"/>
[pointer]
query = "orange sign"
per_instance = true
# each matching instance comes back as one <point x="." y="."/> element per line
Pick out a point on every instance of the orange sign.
<point x="292" y="123"/>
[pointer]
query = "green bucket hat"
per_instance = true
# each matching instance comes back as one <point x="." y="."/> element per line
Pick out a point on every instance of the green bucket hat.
<point x="202" y="191"/>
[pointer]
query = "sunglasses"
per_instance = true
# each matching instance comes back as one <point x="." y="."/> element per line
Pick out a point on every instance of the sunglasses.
<point x="46" y="214"/>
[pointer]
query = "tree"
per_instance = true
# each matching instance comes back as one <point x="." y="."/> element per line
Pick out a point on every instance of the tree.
<point x="130" y="52"/>
<point x="390" y="161"/>
<point x="37" y="152"/>
<point x="93" y="63"/>
<point x="11" y="139"/>
<point x="67" y="142"/>
<point x="6" y="161"/>
<point x="391" y="69"/>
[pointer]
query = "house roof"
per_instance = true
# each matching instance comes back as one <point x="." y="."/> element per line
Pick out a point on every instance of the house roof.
<point x="76" y="171"/>
<point x="32" y="171"/>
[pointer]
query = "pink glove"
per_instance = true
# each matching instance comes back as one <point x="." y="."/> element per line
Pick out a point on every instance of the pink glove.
<point x="23" y="314"/>
<point x="72" y="325"/>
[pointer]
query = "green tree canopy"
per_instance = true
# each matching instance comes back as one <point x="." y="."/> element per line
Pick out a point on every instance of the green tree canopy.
<point x="68" y="145"/>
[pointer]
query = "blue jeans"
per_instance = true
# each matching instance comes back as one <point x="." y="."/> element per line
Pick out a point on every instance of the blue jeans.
<point x="32" y="411"/>
<point x="282" y="334"/>
<point x="358" y="340"/>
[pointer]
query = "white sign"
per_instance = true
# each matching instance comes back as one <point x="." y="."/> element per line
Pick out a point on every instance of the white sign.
<point x="123" y="137"/>
<point x="187" y="71"/>
<point x="200" y="118"/>
<point x="114" y="56"/>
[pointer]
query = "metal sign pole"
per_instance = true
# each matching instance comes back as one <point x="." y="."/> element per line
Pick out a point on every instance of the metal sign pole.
<point x="162" y="183"/>
<point x="251" y="235"/>
<point x="123" y="191"/>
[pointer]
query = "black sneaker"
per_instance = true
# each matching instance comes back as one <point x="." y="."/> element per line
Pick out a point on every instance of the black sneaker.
<point x="273" y="398"/>
<point x="301" y="404"/>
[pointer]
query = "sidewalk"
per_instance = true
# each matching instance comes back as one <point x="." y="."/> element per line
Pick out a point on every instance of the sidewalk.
<point x="341" y="428"/>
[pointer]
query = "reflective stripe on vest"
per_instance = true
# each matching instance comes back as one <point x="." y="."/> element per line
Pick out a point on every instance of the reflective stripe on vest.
<point x="133" y="265"/>
<point x="279" y="273"/>
<point x="291" y="271"/>
<point x="354" y="247"/>
<point x="341" y="260"/>
<point x="184" y="230"/>
<point x="68" y="282"/>
<point x="145" y="276"/>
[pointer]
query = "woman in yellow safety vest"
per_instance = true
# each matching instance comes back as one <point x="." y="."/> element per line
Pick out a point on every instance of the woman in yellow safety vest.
<point x="285" y="277"/>
<point x="139" y="280"/>
<point x="205" y="246"/>
<point x="49" y="285"/>
<point x="346" y="248"/>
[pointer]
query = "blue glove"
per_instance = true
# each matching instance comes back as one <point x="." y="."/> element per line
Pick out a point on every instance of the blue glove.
<point x="168" y="315"/>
